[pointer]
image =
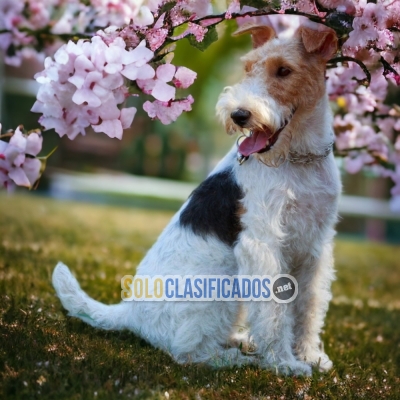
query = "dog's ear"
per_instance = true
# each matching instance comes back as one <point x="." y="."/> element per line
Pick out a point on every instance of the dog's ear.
<point x="260" y="34"/>
<point x="321" y="40"/>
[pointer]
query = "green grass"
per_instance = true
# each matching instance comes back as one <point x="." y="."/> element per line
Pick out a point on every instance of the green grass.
<point x="45" y="354"/>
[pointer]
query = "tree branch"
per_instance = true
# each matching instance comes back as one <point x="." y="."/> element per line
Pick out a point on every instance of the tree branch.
<point x="360" y="63"/>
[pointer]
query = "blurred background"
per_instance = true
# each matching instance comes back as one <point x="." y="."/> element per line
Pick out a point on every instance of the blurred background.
<point x="157" y="166"/>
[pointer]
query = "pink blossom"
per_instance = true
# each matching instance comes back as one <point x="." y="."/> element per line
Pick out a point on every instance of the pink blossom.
<point x="154" y="5"/>
<point x="157" y="35"/>
<point x="156" y="38"/>
<point x="395" y="77"/>
<point x="364" y="32"/>
<point x="158" y="87"/>
<point x="343" y="80"/>
<point x="210" y="21"/>
<point x="84" y="85"/>
<point x="62" y="17"/>
<point x="386" y="126"/>
<point x="167" y="112"/>
<point x="385" y="39"/>
<point x="161" y="90"/>
<point x="184" y="77"/>
<point x="306" y="6"/>
<point x="121" y="12"/>
<point x="234" y="7"/>
<point x="199" y="8"/>
<point x="377" y="14"/>
<point x="135" y="61"/>
<point x="346" y="6"/>
<point x="15" y="167"/>
<point x="355" y="164"/>
<point x="178" y="16"/>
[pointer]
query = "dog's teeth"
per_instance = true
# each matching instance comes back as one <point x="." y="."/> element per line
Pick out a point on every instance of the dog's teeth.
<point x="247" y="132"/>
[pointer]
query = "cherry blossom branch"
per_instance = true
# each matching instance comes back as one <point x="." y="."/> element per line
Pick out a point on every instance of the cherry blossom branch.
<point x="388" y="69"/>
<point x="358" y="62"/>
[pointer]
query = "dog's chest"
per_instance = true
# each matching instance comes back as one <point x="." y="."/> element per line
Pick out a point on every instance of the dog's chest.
<point x="293" y="204"/>
<point x="305" y="212"/>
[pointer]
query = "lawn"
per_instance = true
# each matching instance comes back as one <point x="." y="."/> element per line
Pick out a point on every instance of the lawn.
<point x="45" y="354"/>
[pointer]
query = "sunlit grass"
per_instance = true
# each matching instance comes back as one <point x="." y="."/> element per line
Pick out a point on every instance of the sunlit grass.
<point x="45" y="354"/>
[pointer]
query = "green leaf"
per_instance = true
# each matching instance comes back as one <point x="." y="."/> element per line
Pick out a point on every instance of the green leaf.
<point x="167" y="7"/>
<point x="210" y="37"/>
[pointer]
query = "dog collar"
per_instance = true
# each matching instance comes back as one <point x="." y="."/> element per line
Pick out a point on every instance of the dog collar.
<point x="309" y="158"/>
<point x="294" y="157"/>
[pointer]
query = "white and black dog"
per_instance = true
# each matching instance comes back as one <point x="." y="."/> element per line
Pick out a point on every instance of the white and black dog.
<point x="272" y="213"/>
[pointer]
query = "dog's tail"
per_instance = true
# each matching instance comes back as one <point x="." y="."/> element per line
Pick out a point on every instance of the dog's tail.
<point x="80" y="305"/>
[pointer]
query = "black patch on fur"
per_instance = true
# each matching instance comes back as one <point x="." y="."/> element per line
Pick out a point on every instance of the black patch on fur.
<point x="214" y="208"/>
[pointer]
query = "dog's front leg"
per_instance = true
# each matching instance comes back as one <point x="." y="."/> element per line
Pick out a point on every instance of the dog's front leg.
<point x="314" y="278"/>
<point x="271" y="323"/>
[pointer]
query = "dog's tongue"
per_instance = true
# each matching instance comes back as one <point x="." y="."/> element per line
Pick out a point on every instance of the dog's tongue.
<point x="255" y="143"/>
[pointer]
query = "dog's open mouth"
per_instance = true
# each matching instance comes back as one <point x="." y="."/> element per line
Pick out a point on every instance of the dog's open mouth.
<point x="260" y="140"/>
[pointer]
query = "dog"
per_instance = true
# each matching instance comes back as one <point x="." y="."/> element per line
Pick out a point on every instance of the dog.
<point x="269" y="207"/>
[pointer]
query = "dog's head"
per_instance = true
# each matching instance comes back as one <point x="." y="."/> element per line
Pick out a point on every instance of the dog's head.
<point x="284" y="81"/>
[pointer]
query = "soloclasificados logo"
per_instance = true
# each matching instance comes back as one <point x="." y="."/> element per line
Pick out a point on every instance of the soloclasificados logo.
<point x="280" y="288"/>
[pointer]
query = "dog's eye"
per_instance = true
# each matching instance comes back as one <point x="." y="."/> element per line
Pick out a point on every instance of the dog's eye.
<point x="282" y="72"/>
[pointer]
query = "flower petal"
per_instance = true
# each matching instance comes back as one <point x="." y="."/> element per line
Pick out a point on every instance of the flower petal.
<point x="127" y="115"/>
<point x="140" y="54"/>
<point x="18" y="175"/>
<point x="34" y="144"/>
<point x="130" y="72"/>
<point x="18" y="140"/>
<point x="86" y="95"/>
<point x="163" y="91"/>
<point x="184" y="77"/>
<point x="112" y="128"/>
<point x="166" y="72"/>
<point x="32" y="168"/>
<point x="145" y="72"/>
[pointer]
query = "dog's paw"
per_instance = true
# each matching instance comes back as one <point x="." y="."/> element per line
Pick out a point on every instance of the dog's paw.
<point x="241" y="339"/>
<point x="319" y="361"/>
<point x="324" y="364"/>
<point x="290" y="366"/>
<point x="296" y="368"/>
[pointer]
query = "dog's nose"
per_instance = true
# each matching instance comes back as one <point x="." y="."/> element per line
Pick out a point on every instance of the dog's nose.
<point x="240" y="116"/>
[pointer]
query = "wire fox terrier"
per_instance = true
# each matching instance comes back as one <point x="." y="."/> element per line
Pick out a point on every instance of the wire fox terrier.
<point x="273" y="212"/>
